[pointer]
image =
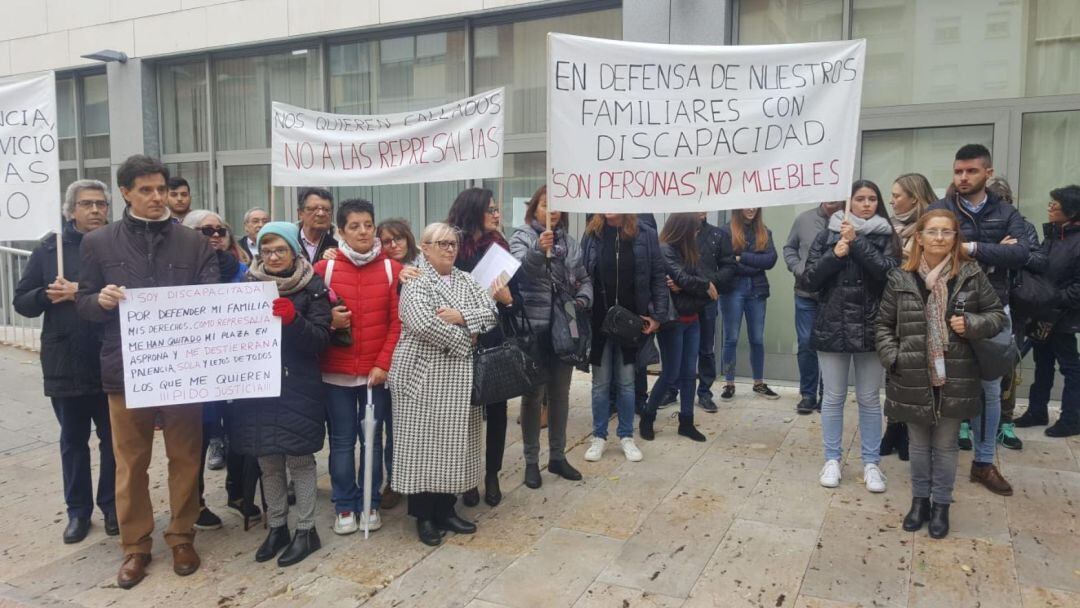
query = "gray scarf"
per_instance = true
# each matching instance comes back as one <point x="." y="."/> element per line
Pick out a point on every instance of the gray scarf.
<point x="360" y="259"/>
<point x="297" y="279"/>
<point x="875" y="225"/>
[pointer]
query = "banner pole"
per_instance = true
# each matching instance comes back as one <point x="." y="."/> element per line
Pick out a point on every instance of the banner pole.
<point x="548" y="212"/>
<point x="60" y="253"/>
<point x="271" y="201"/>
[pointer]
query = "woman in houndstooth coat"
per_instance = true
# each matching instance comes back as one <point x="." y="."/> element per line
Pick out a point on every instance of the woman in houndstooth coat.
<point x="436" y="427"/>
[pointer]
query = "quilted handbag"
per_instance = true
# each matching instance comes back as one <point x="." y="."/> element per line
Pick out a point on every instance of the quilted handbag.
<point x="506" y="370"/>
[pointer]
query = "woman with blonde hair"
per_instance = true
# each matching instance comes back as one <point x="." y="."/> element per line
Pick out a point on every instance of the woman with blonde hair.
<point x="911" y="195"/>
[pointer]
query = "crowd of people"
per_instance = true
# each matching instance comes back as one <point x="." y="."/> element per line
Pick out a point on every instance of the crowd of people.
<point x="372" y="316"/>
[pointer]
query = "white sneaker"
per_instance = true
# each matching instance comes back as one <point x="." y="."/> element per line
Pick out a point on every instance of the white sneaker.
<point x="830" y="474"/>
<point x="373" y="520"/>
<point x="345" y="524"/>
<point x="630" y="449"/>
<point x="874" y="478"/>
<point x="596" y="449"/>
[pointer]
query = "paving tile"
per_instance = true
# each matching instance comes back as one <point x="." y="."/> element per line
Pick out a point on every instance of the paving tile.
<point x="1039" y="597"/>
<point x="756" y="433"/>
<point x="450" y="576"/>
<point x="806" y="601"/>
<point x="962" y="572"/>
<point x="602" y="595"/>
<point x="1042" y="454"/>
<point x="483" y="604"/>
<point x="1047" y="559"/>
<point x="1044" y="500"/>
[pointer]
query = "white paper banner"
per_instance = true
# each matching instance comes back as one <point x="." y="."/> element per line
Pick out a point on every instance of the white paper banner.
<point x="460" y="140"/>
<point x="200" y="343"/>
<point x="636" y="127"/>
<point x="29" y="159"/>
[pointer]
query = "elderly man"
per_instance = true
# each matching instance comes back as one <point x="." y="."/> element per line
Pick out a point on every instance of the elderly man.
<point x="145" y="249"/>
<point x="315" y="206"/>
<point x="254" y="219"/>
<point x="69" y="360"/>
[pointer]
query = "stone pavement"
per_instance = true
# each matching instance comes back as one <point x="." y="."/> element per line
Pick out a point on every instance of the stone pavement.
<point x="737" y="521"/>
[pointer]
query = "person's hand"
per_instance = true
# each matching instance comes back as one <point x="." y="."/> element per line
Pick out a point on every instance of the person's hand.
<point x="958" y="325"/>
<point x="340" y="317"/>
<point x="451" y="315"/>
<point x="672" y="285"/>
<point x="283" y="307"/>
<point x="651" y="325"/>
<point x="408" y="273"/>
<point x="841" y="249"/>
<point x="546" y="241"/>
<point x="109" y="297"/>
<point x="61" y="290"/>
<point x="376" y="376"/>
<point x="1008" y="240"/>
<point x="713" y="294"/>
<point x="847" y="231"/>
<point x="330" y="254"/>
<point x="501" y="293"/>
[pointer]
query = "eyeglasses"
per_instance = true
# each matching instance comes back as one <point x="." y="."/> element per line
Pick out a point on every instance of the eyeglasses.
<point x="103" y="205"/>
<point x="211" y="231"/>
<point x="318" y="210"/>
<point x="397" y="240"/>
<point x="445" y="245"/>
<point x="1053" y="206"/>
<point x="277" y="252"/>
<point x="493" y="211"/>
<point x="934" y="233"/>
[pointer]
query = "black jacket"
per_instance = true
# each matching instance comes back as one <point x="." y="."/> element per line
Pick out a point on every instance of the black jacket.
<point x="1061" y="248"/>
<point x="849" y="289"/>
<point x="717" y="258"/>
<point x="136" y="253"/>
<point x="326" y="242"/>
<point x="70" y="346"/>
<point x="693" y="295"/>
<point x="752" y="264"/>
<point x="995" y="221"/>
<point x="295" y="422"/>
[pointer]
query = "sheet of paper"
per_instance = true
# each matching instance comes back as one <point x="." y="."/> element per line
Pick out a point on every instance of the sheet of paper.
<point x="497" y="264"/>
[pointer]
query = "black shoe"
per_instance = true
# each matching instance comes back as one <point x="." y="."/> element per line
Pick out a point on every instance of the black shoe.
<point x="564" y="469"/>
<point x="207" y="520"/>
<point x="728" y="393"/>
<point x="304" y="543"/>
<point x="1062" y="429"/>
<point x="471" y="498"/>
<point x="918" y="515"/>
<point x="76" y="530"/>
<point x="455" y="524"/>
<point x="687" y="428"/>
<point x="428" y="533"/>
<point x="276" y="540"/>
<point x="492" y="493"/>
<point x="669" y="399"/>
<point x="112" y="526"/>
<point x="251" y="511"/>
<point x="806" y="406"/>
<point x="645" y="427"/>
<point x="939" y="521"/>
<point x="532" y="476"/>
<point x="763" y="390"/>
<point x="1029" y="419"/>
<point x="707" y="404"/>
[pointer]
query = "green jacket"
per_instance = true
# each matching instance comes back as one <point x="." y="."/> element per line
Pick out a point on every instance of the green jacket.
<point x="901" y="346"/>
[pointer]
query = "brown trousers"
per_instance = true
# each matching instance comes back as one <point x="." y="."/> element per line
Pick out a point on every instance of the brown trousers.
<point x="133" y="442"/>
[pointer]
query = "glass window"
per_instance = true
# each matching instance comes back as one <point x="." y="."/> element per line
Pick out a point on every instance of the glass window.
<point x="930" y="151"/>
<point x="438" y="197"/>
<point x="95" y="116"/>
<point x="248" y="186"/>
<point x="1049" y="158"/>
<point x="66" y="129"/>
<point x="245" y="86"/>
<point x="198" y="176"/>
<point x="523" y="173"/>
<point x="67" y="177"/>
<point x="779" y="21"/>
<point x="402" y="201"/>
<point x="102" y="174"/>
<point x="350" y="78"/>
<point x="183" y="107"/>
<point x="514" y="55"/>
<point x="921" y="52"/>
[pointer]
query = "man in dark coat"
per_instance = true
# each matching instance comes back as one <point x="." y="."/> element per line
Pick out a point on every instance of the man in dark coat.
<point x="145" y="249"/>
<point x="70" y="348"/>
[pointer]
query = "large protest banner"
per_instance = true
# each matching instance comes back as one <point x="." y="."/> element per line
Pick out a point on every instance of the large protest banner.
<point x="200" y="343"/>
<point x="460" y="140"/>
<point x="636" y="127"/>
<point x="29" y="158"/>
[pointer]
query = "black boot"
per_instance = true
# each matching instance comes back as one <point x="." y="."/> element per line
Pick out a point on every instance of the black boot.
<point x="428" y="533"/>
<point x="687" y="428"/>
<point x="532" y="476"/>
<point x="902" y="444"/>
<point x="76" y="530"/>
<point x="304" y="543"/>
<point x="276" y="540"/>
<point x="471" y="498"/>
<point x="646" y="427"/>
<point x="890" y="439"/>
<point x="453" y="523"/>
<point x="492" y="493"/>
<point x="939" y="521"/>
<point x="564" y="470"/>
<point x="918" y="515"/>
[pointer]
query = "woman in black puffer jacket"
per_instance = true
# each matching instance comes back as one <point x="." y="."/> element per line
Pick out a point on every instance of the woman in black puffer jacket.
<point x="847" y="266"/>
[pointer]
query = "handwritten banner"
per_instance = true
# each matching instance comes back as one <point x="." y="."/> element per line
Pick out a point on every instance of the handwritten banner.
<point x="29" y="159"/>
<point x="200" y="343"/>
<point x="460" y="140"/>
<point x="636" y="127"/>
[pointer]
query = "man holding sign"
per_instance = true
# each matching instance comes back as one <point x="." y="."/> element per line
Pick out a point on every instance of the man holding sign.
<point x="145" y="249"/>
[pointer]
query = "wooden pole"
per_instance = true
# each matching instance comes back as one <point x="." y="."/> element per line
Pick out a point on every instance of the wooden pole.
<point x="271" y="201"/>
<point x="60" y="252"/>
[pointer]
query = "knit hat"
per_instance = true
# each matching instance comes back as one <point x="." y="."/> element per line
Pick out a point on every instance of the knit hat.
<point x="286" y="230"/>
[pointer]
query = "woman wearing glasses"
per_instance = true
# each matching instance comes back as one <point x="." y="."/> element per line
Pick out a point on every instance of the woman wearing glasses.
<point x="476" y="215"/>
<point x="437" y="429"/>
<point x="932" y="375"/>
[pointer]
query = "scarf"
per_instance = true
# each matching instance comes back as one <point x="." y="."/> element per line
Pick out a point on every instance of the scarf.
<point x="875" y="225"/>
<point x="228" y="266"/>
<point x="292" y="281"/>
<point x="904" y="225"/>
<point x="360" y="259"/>
<point x="937" y="330"/>
<point x="559" y="250"/>
<point x="473" y="249"/>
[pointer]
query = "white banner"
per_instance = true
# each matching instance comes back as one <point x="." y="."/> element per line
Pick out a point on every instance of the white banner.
<point x="200" y="343"/>
<point x="635" y="127"/>
<point x="29" y="159"/>
<point x="460" y="140"/>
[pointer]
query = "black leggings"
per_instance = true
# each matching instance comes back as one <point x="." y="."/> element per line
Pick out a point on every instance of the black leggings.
<point x="496" y="437"/>
<point x="431" y="506"/>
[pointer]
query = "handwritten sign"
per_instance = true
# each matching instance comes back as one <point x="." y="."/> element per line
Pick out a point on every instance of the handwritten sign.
<point x="636" y="127"/>
<point x="29" y="158"/>
<point x="200" y="343"/>
<point x="460" y="140"/>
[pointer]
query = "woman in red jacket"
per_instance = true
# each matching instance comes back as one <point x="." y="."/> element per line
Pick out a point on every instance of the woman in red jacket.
<point x="363" y="285"/>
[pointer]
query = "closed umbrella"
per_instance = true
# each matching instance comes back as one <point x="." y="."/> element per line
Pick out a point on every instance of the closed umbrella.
<point x="369" y="448"/>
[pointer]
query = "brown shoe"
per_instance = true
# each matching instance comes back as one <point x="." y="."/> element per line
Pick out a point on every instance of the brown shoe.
<point x="133" y="570"/>
<point x="990" y="477"/>
<point x="390" y="499"/>
<point x="184" y="559"/>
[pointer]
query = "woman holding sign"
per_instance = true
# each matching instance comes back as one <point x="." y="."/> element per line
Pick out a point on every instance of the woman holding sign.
<point x="285" y="432"/>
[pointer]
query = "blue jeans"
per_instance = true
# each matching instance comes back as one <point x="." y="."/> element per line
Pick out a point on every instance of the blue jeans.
<point x="613" y="369"/>
<point x="344" y="416"/>
<point x="706" y="362"/>
<point x="984" y="446"/>
<point x="809" y="375"/>
<point x="735" y="305"/>
<point x="834" y="373"/>
<point x="75" y="415"/>
<point x="1059" y="348"/>
<point x="679" y="343"/>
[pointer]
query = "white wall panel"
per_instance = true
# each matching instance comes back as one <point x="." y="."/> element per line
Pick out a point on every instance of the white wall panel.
<point x="23" y="18"/>
<point x="117" y="36"/>
<point x="246" y="21"/>
<point x="170" y="33"/>
<point x="313" y="16"/>
<point x="39" y="52"/>
<point x="402" y="10"/>
<point x="67" y="15"/>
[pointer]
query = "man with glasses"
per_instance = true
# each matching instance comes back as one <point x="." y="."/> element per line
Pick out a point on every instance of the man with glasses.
<point x="69" y="360"/>
<point x="254" y="219"/>
<point x="315" y="206"/>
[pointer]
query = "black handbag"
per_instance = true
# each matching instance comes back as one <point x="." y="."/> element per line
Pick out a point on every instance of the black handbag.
<point x="571" y="329"/>
<point x="620" y="323"/>
<point x="996" y="355"/>
<point x="509" y="369"/>
<point x="1033" y="296"/>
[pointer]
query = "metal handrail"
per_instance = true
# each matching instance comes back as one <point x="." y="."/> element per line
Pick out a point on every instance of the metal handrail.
<point x="15" y="329"/>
